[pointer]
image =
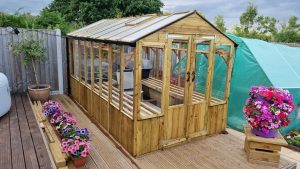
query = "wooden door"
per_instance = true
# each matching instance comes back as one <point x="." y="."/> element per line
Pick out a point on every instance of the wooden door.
<point x="201" y="57"/>
<point x="175" y="116"/>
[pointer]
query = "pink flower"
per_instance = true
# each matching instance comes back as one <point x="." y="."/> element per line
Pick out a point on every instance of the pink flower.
<point x="52" y="121"/>
<point x="84" y="154"/>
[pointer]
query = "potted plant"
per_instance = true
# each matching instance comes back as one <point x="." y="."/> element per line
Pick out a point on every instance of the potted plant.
<point x="267" y="110"/>
<point x="33" y="52"/>
<point x="78" y="148"/>
<point x="51" y="108"/>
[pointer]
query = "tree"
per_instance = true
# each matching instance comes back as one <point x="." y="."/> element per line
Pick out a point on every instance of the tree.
<point x="32" y="51"/>
<point x="247" y="18"/>
<point x="219" y="21"/>
<point x="86" y="11"/>
<point x="289" y="32"/>
<point x="53" y="20"/>
<point x="266" y="24"/>
<point x="20" y="20"/>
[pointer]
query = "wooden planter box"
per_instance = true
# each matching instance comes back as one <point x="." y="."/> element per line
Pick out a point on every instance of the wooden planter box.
<point x="263" y="150"/>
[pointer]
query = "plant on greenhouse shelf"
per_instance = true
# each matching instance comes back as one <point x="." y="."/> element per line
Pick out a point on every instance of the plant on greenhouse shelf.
<point x="78" y="148"/>
<point x="267" y="109"/>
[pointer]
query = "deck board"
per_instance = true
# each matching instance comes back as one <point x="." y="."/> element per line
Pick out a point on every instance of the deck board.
<point x="218" y="152"/>
<point x="21" y="142"/>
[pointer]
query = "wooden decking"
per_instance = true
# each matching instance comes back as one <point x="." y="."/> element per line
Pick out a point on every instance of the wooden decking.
<point x="103" y="154"/>
<point x="219" y="151"/>
<point x="21" y="142"/>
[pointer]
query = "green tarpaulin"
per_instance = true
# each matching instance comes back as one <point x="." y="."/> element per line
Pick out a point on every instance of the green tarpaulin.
<point x="258" y="62"/>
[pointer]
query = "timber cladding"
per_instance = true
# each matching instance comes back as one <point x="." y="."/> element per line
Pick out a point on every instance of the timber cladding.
<point x="130" y="90"/>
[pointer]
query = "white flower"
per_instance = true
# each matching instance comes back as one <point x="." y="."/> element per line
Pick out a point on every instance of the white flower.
<point x="277" y="112"/>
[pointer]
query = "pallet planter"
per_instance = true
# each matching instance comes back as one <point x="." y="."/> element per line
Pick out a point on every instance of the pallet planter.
<point x="150" y="81"/>
<point x="263" y="150"/>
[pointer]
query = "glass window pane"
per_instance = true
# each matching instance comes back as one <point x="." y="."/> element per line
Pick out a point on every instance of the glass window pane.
<point x="76" y="58"/>
<point x="82" y="61"/>
<point x="220" y="71"/>
<point x="177" y="72"/>
<point x="89" y="63"/>
<point x="96" y="65"/>
<point x="115" y="75"/>
<point x="104" y="64"/>
<point x="152" y="72"/>
<point x="128" y="80"/>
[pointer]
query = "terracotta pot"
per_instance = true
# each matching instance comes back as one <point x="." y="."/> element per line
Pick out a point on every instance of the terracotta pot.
<point x="79" y="162"/>
<point x="39" y="92"/>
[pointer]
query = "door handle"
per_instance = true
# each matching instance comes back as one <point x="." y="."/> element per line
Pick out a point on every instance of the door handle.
<point x="188" y="76"/>
<point x="194" y="75"/>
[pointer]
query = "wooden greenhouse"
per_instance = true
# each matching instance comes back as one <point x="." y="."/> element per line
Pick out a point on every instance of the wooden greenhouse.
<point x="152" y="81"/>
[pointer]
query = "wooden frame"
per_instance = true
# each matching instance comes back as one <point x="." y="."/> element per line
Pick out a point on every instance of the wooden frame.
<point x="142" y="122"/>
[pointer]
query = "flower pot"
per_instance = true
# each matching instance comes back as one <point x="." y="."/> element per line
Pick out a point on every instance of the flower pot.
<point x="39" y="92"/>
<point x="79" y="162"/>
<point x="271" y="134"/>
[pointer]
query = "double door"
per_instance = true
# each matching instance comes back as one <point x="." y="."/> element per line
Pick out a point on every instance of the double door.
<point x="190" y="78"/>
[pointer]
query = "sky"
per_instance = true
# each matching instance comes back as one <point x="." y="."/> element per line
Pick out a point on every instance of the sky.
<point x="229" y="9"/>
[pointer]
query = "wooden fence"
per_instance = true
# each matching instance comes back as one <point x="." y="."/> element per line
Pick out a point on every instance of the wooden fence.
<point x="53" y="70"/>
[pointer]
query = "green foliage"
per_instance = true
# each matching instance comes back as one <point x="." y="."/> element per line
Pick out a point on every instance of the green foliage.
<point x="86" y="11"/>
<point x="247" y="18"/>
<point x="21" y="20"/>
<point x="53" y="20"/>
<point x="46" y="20"/>
<point x="265" y="28"/>
<point x="219" y="21"/>
<point x="289" y="32"/>
<point x="31" y="50"/>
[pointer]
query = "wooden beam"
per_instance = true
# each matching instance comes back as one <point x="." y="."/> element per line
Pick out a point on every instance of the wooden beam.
<point x="210" y="71"/>
<point x="166" y="85"/>
<point x="122" y="57"/>
<point x="71" y="56"/>
<point x="137" y="94"/>
<point x="209" y="80"/>
<point x="229" y="71"/>
<point x="92" y="65"/>
<point x="109" y="82"/>
<point x="188" y="91"/>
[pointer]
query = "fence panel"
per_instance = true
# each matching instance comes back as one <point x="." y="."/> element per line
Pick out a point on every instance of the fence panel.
<point x="19" y="75"/>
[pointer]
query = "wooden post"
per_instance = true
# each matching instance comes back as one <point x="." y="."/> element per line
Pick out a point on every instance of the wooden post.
<point x="109" y="81"/>
<point x="92" y="65"/>
<point x="100" y="68"/>
<point x="137" y="93"/>
<point x="209" y="79"/>
<point x="71" y="55"/>
<point x="228" y="79"/>
<point x="210" y="71"/>
<point x="122" y="57"/>
<point x="229" y="72"/>
<point x="59" y="62"/>
<point x="188" y="91"/>
<point x="166" y="86"/>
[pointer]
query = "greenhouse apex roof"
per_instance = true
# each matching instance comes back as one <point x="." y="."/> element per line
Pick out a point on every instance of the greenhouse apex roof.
<point x="128" y="30"/>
